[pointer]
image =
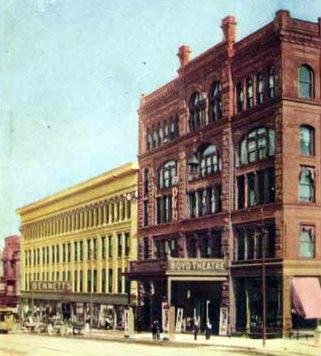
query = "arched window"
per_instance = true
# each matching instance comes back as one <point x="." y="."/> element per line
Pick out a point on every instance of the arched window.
<point x="148" y="140"/>
<point x="306" y="186"/>
<point x="167" y="175"/>
<point x="306" y="140"/>
<point x="165" y="131"/>
<point x="258" y="144"/>
<point x="215" y="97"/>
<point x="196" y="112"/>
<point x="209" y="161"/>
<point x="155" y="138"/>
<point x="249" y="92"/>
<point x="239" y="97"/>
<point x="305" y="81"/>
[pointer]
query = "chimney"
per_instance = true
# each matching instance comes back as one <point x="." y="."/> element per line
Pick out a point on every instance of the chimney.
<point x="184" y="54"/>
<point x="283" y="18"/>
<point x="229" y="29"/>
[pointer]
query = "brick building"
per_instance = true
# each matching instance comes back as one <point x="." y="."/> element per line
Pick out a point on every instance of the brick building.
<point x="229" y="155"/>
<point x="11" y="272"/>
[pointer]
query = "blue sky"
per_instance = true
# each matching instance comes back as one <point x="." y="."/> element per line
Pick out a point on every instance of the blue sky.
<point x="72" y="72"/>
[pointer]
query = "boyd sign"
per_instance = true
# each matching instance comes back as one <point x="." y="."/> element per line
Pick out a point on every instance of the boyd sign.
<point x="197" y="265"/>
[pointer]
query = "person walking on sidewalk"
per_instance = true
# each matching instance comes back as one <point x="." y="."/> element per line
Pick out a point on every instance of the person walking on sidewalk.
<point x="208" y="330"/>
<point x="196" y="329"/>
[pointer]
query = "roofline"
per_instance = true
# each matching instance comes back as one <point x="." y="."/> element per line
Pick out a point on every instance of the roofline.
<point x="106" y="177"/>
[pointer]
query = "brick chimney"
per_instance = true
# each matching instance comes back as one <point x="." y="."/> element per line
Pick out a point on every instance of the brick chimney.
<point x="184" y="54"/>
<point x="229" y="29"/>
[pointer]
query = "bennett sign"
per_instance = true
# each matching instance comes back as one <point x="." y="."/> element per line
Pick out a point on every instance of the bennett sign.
<point x="52" y="286"/>
<point x="197" y="265"/>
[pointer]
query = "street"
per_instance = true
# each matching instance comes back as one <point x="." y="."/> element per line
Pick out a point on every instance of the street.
<point x="22" y="344"/>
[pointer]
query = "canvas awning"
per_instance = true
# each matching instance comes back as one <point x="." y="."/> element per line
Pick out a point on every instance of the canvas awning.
<point x="306" y="297"/>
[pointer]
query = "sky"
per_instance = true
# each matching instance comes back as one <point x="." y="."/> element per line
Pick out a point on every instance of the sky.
<point x="71" y="76"/>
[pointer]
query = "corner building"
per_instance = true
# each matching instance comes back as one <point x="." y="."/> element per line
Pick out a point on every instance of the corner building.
<point x="76" y="245"/>
<point x="229" y="155"/>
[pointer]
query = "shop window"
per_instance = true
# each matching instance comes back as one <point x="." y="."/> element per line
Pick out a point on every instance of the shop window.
<point x="306" y="186"/>
<point x="305" y="82"/>
<point x="215" y="102"/>
<point x="167" y="175"/>
<point x="307" y="244"/>
<point x="271" y="82"/>
<point x="306" y="140"/>
<point x="164" y="209"/>
<point x="239" y="97"/>
<point x="259" y="88"/>
<point x="257" y="145"/>
<point x="119" y="245"/>
<point x="249" y="93"/>
<point x="146" y="209"/>
<point x="110" y="280"/>
<point x="196" y="112"/>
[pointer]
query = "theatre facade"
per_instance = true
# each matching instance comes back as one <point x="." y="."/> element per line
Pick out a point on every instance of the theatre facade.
<point x="229" y="184"/>
<point x="75" y="248"/>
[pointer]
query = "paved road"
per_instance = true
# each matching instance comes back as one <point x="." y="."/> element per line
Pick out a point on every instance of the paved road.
<point x="41" y="345"/>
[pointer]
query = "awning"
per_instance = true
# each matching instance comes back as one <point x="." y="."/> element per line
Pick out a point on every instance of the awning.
<point x="306" y="297"/>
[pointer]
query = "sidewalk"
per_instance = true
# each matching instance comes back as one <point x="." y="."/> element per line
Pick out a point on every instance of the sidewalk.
<point x="276" y="346"/>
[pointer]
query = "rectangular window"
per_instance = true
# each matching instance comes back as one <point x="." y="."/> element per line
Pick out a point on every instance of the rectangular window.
<point x="76" y="281"/>
<point x="81" y="250"/>
<point x="95" y="249"/>
<point x="240" y="192"/>
<point x="88" y="249"/>
<point x="259" y="88"/>
<point x="127" y="244"/>
<point x="103" y="281"/>
<point x="119" y="281"/>
<point x="146" y="181"/>
<point x="240" y="245"/>
<point x="127" y="283"/>
<point x="63" y="253"/>
<point x="128" y="209"/>
<point x="43" y="255"/>
<point x="123" y="207"/>
<point x="261" y="186"/>
<point x="250" y="244"/>
<point x="103" y="247"/>
<point x="271" y="185"/>
<point x="192" y="204"/>
<point x="68" y="252"/>
<point x="110" y="246"/>
<point x="57" y="254"/>
<point x="76" y="251"/>
<point x="95" y="281"/>
<point x="89" y="281"/>
<point x="271" y="82"/>
<point x="63" y="275"/>
<point x="119" y="245"/>
<point x="47" y="254"/>
<point x="146" y="207"/>
<point x="146" y="248"/>
<point x="80" y="281"/>
<point x="110" y="280"/>
<point x="251" y="189"/>
<point x="307" y="244"/>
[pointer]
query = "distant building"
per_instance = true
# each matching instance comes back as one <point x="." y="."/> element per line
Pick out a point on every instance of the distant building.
<point x="229" y="156"/>
<point x="76" y="245"/>
<point x="10" y="283"/>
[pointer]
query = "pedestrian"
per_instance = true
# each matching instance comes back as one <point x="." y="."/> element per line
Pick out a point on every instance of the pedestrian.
<point x="196" y="329"/>
<point x="208" y="330"/>
<point x="154" y="330"/>
<point x="157" y="330"/>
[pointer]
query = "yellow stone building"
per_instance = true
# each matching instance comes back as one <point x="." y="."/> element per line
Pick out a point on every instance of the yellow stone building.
<point x="75" y="248"/>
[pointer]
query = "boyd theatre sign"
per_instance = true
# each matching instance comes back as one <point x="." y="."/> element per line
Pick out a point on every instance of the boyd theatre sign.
<point x="197" y="265"/>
